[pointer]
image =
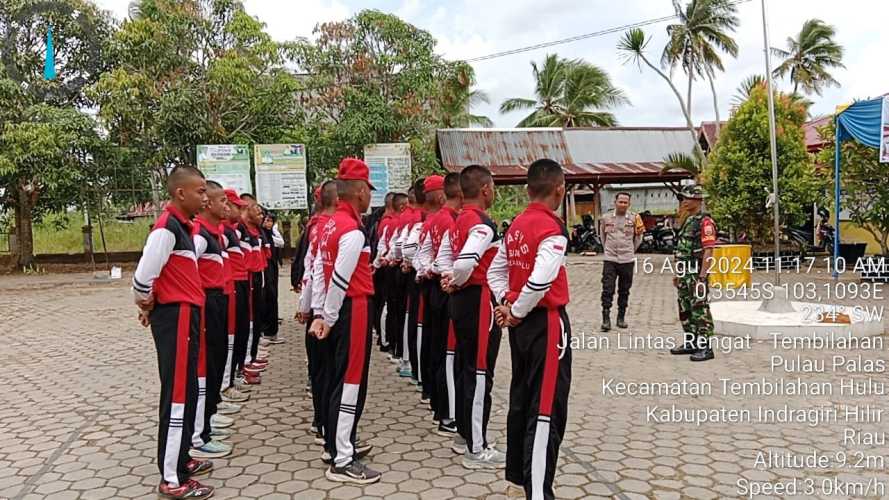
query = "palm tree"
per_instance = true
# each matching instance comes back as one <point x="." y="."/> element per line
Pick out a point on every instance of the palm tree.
<point x="696" y="40"/>
<point x="746" y="87"/>
<point x="633" y="45"/>
<point x="568" y="93"/>
<point x="809" y="56"/>
<point x="458" y="98"/>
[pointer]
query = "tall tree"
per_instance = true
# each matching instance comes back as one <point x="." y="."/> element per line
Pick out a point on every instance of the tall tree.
<point x="194" y="72"/>
<point x="458" y="97"/>
<point x="372" y="78"/>
<point x="739" y="175"/>
<point x="696" y="41"/>
<point x="46" y="143"/>
<point x="568" y="93"/>
<point x="632" y="45"/>
<point x="810" y="56"/>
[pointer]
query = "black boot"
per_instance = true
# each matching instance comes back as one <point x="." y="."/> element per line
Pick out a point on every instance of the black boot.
<point x="621" y="317"/>
<point x="606" y="320"/>
<point x="688" y="345"/>
<point x="705" y="353"/>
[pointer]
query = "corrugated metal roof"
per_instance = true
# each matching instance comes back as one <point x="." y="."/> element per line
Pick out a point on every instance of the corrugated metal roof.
<point x="626" y="145"/>
<point x="588" y="155"/>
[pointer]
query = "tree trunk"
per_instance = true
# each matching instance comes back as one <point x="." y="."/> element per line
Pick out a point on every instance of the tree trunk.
<point x="688" y="96"/>
<point x="715" y="108"/>
<point x="24" y="235"/>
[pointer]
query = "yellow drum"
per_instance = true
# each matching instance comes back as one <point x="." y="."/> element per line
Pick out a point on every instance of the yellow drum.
<point x="731" y="266"/>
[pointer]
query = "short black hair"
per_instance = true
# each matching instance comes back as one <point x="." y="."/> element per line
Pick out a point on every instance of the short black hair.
<point x="623" y="193"/>
<point x="213" y="185"/>
<point x="397" y="197"/>
<point x="390" y="197"/>
<point x="472" y="178"/>
<point x="348" y="189"/>
<point x="420" y="190"/>
<point x="544" y="176"/>
<point x="329" y="194"/>
<point x="452" y="186"/>
<point x="247" y="196"/>
<point x="178" y="175"/>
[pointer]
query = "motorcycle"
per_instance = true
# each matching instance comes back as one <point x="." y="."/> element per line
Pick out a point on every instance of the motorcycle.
<point x="659" y="239"/>
<point x="802" y="238"/>
<point x="584" y="237"/>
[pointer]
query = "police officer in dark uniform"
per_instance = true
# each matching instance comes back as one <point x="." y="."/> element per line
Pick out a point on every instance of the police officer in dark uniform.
<point x="694" y="248"/>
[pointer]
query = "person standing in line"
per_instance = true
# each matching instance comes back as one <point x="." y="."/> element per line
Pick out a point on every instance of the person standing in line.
<point x="388" y="266"/>
<point x="213" y="343"/>
<point x="256" y="264"/>
<point x="168" y="293"/>
<point x="415" y="304"/>
<point x="317" y="351"/>
<point x="441" y="337"/>
<point x="381" y="277"/>
<point x="233" y="260"/>
<point x="421" y="261"/>
<point x="242" y="379"/>
<point x="272" y="242"/>
<point x="528" y="279"/>
<point x="342" y="268"/>
<point x="474" y="242"/>
<point x="621" y="232"/>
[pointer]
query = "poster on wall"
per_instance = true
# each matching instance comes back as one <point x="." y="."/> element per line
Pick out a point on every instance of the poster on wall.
<point x="884" y="132"/>
<point x="227" y="164"/>
<point x="281" y="176"/>
<point x="390" y="169"/>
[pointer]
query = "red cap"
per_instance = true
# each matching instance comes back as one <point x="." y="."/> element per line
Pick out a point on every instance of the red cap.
<point x="233" y="197"/>
<point x="353" y="169"/>
<point x="433" y="183"/>
<point x="317" y="194"/>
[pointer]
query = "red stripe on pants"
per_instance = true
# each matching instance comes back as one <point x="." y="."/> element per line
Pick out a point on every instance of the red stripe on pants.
<point x="420" y="308"/>
<point x="202" y="344"/>
<point x="180" y="371"/>
<point x="452" y="336"/>
<point x="551" y="362"/>
<point x="357" y="341"/>
<point x="484" y="328"/>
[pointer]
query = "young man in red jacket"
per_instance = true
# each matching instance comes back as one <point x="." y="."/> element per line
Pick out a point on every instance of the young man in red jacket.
<point x="208" y="243"/>
<point x="317" y="352"/>
<point x="437" y="352"/>
<point x="380" y="276"/>
<point x="343" y="269"/>
<point x="256" y="362"/>
<point x="391" y="293"/>
<point x="168" y="292"/>
<point x="233" y="263"/>
<point x="474" y="243"/>
<point x="528" y="279"/>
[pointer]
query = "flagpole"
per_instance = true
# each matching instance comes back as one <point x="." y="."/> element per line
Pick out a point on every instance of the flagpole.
<point x="779" y="303"/>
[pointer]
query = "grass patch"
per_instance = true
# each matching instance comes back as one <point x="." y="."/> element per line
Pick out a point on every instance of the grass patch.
<point x="58" y="234"/>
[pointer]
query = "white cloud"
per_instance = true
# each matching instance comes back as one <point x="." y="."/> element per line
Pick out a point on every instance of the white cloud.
<point x="471" y="28"/>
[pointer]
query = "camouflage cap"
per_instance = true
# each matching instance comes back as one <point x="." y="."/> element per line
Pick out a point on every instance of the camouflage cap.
<point x="693" y="192"/>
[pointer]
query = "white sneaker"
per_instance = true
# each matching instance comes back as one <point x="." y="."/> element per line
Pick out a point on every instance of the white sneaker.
<point x="489" y="458"/>
<point x="459" y="446"/>
<point x="220" y="433"/>
<point x="221" y="421"/>
<point x="213" y="449"/>
<point x="226" y="408"/>
<point x="514" y="491"/>
<point x="232" y="395"/>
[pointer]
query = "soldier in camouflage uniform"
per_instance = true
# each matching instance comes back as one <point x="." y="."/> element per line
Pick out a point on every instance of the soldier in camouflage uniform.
<point x="694" y="248"/>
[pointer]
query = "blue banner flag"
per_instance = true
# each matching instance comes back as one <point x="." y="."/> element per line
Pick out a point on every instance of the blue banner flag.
<point x="49" y="67"/>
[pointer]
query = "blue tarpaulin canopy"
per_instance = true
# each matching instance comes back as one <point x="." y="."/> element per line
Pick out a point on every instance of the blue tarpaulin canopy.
<point x="860" y="121"/>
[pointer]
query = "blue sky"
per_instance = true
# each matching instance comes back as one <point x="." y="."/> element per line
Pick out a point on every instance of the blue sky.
<point x="471" y="28"/>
